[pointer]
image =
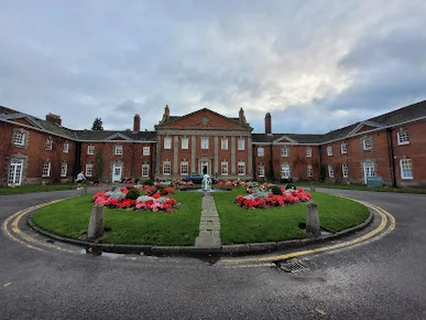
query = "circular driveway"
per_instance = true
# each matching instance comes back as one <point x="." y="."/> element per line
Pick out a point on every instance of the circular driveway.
<point x="383" y="279"/>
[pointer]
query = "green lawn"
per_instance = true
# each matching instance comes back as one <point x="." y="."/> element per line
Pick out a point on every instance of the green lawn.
<point x="70" y="218"/>
<point x="37" y="188"/>
<point x="361" y="187"/>
<point x="262" y="225"/>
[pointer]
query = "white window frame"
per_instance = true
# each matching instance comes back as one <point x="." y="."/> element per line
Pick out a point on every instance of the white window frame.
<point x="16" y="168"/>
<point x="224" y="143"/>
<point x="329" y="151"/>
<point x="285" y="152"/>
<point x="19" y="138"/>
<point x="330" y="171"/>
<point x="308" y="152"/>
<point x="406" y="166"/>
<point x="224" y="165"/>
<point x="184" y="143"/>
<point x="167" y="143"/>
<point x="309" y="171"/>
<point x="118" y="150"/>
<point x="64" y="169"/>
<point x="204" y="143"/>
<point x="45" y="171"/>
<point x="261" y="170"/>
<point x="403" y="137"/>
<point x="146" y="151"/>
<point x="89" y="169"/>
<point x="66" y="147"/>
<point x="145" y="167"/>
<point x="48" y="144"/>
<point x="260" y="152"/>
<point x="241" y="144"/>
<point x="167" y="165"/>
<point x="344" y="148"/>
<point x="183" y="165"/>
<point x="91" y="150"/>
<point x="241" y="168"/>
<point x="365" y="145"/>
<point x="285" y="171"/>
<point x="345" y="170"/>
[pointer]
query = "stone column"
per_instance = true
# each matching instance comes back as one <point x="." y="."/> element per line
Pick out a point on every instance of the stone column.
<point x="193" y="151"/>
<point x="96" y="222"/>
<point x="175" y="155"/>
<point x="250" y="156"/>
<point x="216" y="155"/>
<point x="313" y="228"/>
<point x="157" y="157"/>
<point x="233" y="154"/>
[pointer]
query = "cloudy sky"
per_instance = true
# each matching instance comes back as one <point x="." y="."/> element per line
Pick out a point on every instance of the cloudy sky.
<point x="315" y="65"/>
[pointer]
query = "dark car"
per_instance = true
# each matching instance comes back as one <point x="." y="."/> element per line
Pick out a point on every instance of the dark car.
<point x="197" y="178"/>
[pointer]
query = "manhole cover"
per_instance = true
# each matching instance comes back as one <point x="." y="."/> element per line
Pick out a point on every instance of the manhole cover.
<point x="292" y="266"/>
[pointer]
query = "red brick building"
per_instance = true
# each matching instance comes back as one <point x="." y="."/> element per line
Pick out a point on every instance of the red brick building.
<point x="392" y="146"/>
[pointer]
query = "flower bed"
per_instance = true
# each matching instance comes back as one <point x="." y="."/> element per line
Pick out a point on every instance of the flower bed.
<point x="116" y="199"/>
<point x="265" y="199"/>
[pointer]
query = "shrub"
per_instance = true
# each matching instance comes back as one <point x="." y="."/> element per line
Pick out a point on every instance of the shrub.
<point x="276" y="191"/>
<point x="290" y="186"/>
<point x="133" y="194"/>
<point x="149" y="182"/>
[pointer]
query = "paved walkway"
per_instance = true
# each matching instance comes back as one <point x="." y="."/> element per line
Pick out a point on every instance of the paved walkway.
<point x="209" y="236"/>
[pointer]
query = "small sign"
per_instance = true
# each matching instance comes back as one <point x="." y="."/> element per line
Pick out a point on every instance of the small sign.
<point x="374" y="182"/>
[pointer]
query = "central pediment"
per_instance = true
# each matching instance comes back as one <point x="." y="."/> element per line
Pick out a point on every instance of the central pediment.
<point x="203" y="119"/>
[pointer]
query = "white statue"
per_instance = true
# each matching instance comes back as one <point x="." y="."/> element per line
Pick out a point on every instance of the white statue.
<point x="206" y="183"/>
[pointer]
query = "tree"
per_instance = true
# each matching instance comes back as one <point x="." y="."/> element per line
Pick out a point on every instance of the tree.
<point x="97" y="124"/>
<point x="99" y="165"/>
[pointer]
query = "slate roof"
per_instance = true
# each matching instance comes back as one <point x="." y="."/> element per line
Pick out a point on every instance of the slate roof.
<point x="411" y="112"/>
<point x="104" y="134"/>
<point x="301" y="138"/>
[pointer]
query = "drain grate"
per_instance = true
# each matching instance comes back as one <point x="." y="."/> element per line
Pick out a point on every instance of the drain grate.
<point x="292" y="266"/>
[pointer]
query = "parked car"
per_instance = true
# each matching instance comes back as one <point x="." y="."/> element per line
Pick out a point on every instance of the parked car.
<point x="197" y="178"/>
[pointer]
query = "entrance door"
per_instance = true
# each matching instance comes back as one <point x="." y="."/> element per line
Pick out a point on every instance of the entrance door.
<point x="15" y="172"/>
<point x="204" y="167"/>
<point x="116" y="172"/>
<point x="369" y="170"/>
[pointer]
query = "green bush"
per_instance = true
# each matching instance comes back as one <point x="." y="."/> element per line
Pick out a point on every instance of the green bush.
<point x="276" y="191"/>
<point x="149" y="182"/>
<point x="132" y="194"/>
<point x="290" y="186"/>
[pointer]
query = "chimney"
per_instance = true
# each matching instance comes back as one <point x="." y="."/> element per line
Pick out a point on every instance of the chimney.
<point x="136" y="123"/>
<point x="241" y="114"/>
<point x="53" y="118"/>
<point x="166" y="111"/>
<point x="268" y="123"/>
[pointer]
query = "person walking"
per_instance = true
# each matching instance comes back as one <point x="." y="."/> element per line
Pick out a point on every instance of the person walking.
<point x="80" y="178"/>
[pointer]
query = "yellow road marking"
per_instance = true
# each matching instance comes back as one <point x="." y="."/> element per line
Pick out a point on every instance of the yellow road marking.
<point x="15" y="229"/>
<point x="6" y="231"/>
<point x="7" y="284"/>
<point x="384" y="215"/>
